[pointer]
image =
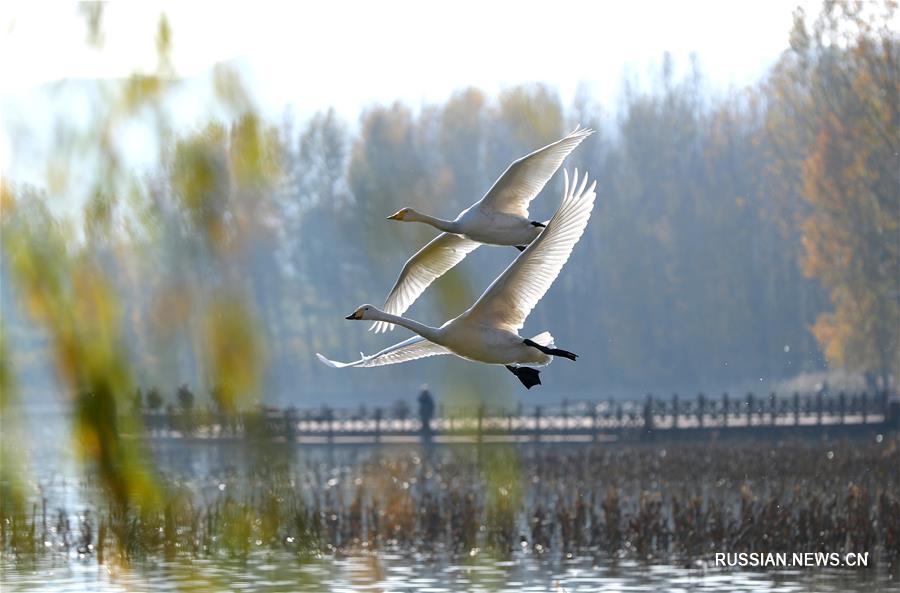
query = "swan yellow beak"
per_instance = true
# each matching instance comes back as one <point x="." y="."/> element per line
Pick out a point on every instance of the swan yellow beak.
<point x="397" y="216"/>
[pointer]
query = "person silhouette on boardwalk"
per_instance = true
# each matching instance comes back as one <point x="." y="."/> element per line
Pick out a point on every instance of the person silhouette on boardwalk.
<point x="426" y="412"/>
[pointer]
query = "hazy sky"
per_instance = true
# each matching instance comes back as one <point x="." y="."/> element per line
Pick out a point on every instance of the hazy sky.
<point x="350" y="54"/>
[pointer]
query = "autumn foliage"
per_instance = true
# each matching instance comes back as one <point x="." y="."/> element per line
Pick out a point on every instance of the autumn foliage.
<point x="839" y="85"/>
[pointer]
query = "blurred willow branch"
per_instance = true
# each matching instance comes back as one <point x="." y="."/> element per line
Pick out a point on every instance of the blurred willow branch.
<point x="79" y="281"/>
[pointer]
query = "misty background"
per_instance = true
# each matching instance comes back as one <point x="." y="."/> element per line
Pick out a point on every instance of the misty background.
<point x="743" y="239"/>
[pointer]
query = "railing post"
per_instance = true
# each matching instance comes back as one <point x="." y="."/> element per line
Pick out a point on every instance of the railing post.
<point x="772" y="408"/>
<point x="593" y="422"/>
<point x="750" y="409"/>
<point x="675" y="410"/>
<point x="701" y="408"/>
<point x="290" y="423"/>
<point x="648" y="416"/>
<point x="537" y="424"/>
<point x="819" y="407"/>
<point x="891" y="410"/>
<point x="842" y="406"/>
<point x="726" y="405"/>
<point x="480" y="419"/>
<point x="796" y="409"/>
<point x="864" y="404"/>
<point x="377" y="425"/>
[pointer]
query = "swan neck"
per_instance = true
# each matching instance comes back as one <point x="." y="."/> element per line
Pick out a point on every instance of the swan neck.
<point x="438" y="223"/>
<point x="427" y="332"/>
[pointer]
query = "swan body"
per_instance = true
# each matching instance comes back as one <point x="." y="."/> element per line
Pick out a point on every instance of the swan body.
<point x="490" y="345"/>
<point x="480" y="225"/>
<point x="498" y="218"/>
<point x="488" y="332"/>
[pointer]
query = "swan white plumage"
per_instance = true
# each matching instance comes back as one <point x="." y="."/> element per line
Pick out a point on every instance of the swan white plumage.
<point x="499" y="218"/>
<point x="488" y="331"/>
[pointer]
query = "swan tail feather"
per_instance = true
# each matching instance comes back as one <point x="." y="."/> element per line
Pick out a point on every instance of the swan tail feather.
<point x="544" y="339"/>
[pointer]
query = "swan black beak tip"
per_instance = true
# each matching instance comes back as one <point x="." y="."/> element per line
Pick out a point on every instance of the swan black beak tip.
<point x="351" y="316"/>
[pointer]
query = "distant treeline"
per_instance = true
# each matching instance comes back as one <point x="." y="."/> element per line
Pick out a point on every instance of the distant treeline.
<point x="737" y="237"/>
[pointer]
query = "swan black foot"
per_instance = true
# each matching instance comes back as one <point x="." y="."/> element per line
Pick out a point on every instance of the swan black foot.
<point x="552" y="351"/>
<point x="520" y="247"/>
<point x="538" y="224"/>
<point x="527" y="375"/>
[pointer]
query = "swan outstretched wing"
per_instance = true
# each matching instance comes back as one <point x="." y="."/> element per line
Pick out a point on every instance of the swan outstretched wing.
<point x="511" y="297"/>
<point x="432" y="261"/>
<point x="411" y="349"/>
<point x="526" y="177"/>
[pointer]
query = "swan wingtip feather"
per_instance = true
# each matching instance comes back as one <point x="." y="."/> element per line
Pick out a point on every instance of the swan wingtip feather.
<point x="333" y="364"/>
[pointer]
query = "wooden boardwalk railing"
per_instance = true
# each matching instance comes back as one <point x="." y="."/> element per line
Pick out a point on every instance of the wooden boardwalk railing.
<point x="651" y="419"/>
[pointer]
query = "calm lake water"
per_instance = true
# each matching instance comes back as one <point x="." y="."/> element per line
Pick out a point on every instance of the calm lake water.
<point x="54" y="474"/>
<point x="419" y="574"/>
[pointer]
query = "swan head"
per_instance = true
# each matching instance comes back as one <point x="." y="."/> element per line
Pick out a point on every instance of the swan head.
<point x="364" y="312"/>
<point x="406" y="214"/>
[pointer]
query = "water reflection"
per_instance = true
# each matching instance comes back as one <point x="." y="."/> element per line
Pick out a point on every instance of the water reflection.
<point x="386" y="572"/>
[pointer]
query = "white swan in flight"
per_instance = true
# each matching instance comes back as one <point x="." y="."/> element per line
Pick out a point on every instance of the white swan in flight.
<point x="499" y="218"/>
<point x="489" y="330"/>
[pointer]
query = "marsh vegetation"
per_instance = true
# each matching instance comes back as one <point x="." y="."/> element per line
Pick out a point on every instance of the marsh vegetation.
<point x="676" y="503"/>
